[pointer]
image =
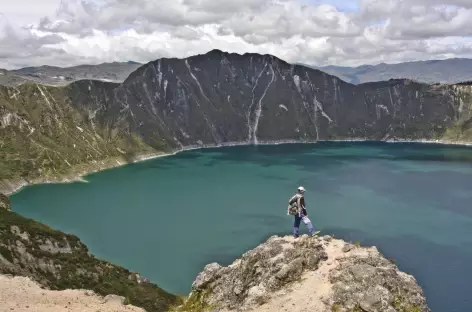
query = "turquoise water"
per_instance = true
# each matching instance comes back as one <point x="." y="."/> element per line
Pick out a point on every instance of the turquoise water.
<point x="168" y="217"/>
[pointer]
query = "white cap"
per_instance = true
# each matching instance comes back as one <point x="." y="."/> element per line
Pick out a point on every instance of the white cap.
<point x="301" y="189"/>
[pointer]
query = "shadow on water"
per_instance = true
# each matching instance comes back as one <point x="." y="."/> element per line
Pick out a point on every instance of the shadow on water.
<point x="425" y="187"/>
<point x="360" y="151"/>
<point x="444" y="272"/>
<point x="328" y="169"/>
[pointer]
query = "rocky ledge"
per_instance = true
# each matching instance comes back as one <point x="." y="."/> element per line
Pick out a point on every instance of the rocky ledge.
<point x="306" y="274"/>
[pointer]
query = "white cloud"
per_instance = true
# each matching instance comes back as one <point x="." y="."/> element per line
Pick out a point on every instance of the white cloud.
<point x="23" y="12"/>
<point x="315" y="32"/>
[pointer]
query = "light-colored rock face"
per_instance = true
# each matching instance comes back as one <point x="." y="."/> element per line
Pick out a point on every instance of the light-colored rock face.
<point x="306" y="274"/>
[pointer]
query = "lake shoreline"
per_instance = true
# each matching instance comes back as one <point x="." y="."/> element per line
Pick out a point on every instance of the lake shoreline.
<point x="9" y="188"/>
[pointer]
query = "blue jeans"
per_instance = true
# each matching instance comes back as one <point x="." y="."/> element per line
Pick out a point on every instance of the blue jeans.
<point x="296" y="224"/>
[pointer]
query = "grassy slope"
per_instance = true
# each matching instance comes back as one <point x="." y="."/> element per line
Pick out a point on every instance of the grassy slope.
<point x="43" y="135"/>
<point x="22" y="255"/>
<point x="461" y="131"/>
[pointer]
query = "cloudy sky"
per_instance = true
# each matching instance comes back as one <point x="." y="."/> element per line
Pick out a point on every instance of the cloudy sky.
<point x="316" y="32"/>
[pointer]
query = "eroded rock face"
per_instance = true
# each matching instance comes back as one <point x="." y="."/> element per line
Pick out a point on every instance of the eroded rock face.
<point x="374" y="284"/>
<point x="306" y="274"/>
<point x="4" y="202"/>
<point x="260" y="271"/>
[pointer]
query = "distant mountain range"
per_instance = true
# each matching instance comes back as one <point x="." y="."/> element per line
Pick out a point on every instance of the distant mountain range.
<point x="51" y="75"/>
<point x="447" y="71"/>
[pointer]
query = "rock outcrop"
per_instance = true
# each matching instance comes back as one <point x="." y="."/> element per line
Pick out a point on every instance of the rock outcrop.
<point x="59" y="261"/>
<point x="4" y="202"/>
<point x="212" y="99"/>
<point x="306" y="274"/>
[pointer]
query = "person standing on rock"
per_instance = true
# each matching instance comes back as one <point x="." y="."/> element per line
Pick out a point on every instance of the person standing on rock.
<point x="297" y="208"/>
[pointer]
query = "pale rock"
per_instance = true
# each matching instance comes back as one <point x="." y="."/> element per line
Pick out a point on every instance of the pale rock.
<point x="115" y="299"/>
<point x="284" y="270"/>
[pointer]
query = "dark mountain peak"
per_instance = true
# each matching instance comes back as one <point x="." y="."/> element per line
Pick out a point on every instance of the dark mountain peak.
<point x="216" y="52"/>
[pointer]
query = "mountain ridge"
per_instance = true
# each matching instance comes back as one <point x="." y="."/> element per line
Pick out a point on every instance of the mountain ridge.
<point x="447" y="71"/>
<point x="209" y="100"/>
<point x="353" y="75"/>
<point x="61" y="76"/>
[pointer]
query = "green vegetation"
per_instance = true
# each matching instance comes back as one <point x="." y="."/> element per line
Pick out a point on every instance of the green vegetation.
<point x="46" y="134"/>
<point x="459" y="132"/>
<point x="6" y="253"/>
<point x="358" y="308"/>
<point x="71" y="269"/>
<point x="400" y="305"/>
<point x="195" y="303"/>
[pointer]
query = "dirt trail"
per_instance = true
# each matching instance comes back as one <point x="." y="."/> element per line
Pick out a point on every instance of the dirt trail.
<point x="21" y="294"/>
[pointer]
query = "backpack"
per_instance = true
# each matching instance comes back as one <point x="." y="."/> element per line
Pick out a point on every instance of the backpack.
<point x="294" y="204"/>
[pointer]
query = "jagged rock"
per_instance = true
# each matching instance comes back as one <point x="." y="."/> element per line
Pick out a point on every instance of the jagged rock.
<point x="283" y="272"/>
<point x="348" y="247"/>
<point x="114" y="298"/>
<point x="4" y="202"/>
<point x="260" y="271"/>
<point x="361" y="272"/>
<point x="374" y="284"/>
<point x="16" y="230"/>
<point x="209" y="273"/>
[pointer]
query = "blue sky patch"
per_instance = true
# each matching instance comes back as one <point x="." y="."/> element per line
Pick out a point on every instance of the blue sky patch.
<point x="341" y="5"/>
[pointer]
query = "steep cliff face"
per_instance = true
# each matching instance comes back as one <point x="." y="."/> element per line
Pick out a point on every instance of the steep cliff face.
<point x="60" y="261"/>
<point x="213" y="98"/>
<point x="306" y="274"/>
<point x="220" y="97"/>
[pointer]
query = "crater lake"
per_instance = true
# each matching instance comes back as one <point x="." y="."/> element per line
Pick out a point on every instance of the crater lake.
<point x="168" y="217"/>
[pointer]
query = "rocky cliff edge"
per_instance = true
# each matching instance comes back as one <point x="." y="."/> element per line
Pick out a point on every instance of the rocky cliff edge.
<point x="306" y="274"/>
<point x="60" y="263"/>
